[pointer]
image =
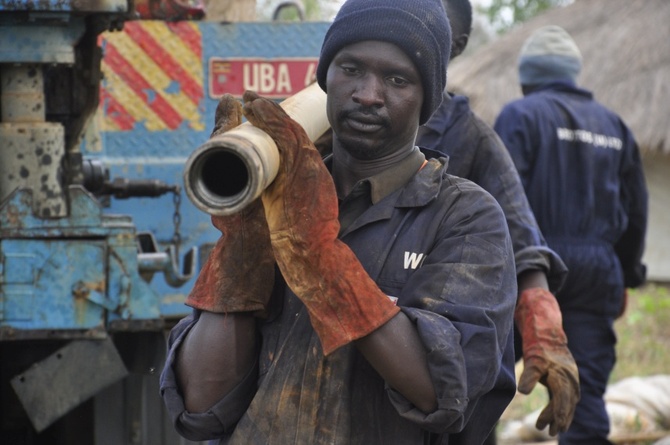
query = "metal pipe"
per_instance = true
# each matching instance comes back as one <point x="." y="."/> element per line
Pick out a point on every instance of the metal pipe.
<point x="231" y="170"/>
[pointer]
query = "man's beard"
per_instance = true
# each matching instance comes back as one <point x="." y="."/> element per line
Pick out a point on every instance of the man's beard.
<point x="369" y="148"/>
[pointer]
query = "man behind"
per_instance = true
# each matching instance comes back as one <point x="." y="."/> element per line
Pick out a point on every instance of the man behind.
<point x="476" y="152"/>
<point x="581" y="169"/>
<point x="321" y="353"/>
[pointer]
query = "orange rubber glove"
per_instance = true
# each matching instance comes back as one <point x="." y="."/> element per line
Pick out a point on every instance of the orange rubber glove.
<point x="301" y="209"/>
<point x="239" y="274"/>
<point x="546" y="358"/>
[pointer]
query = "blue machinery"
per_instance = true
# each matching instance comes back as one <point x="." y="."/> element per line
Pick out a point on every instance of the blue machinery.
<point x="98" y="248"/>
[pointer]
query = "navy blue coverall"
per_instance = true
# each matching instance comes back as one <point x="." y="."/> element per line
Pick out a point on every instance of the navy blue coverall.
<point x="438" y="244"/>
<point x="476" y="153"/>
<point x="581" y="169"/>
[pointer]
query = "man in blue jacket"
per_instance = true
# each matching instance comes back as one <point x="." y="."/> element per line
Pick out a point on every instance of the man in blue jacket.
<point x="365" y="300"/>
<point x="477" y="153"/>
<point x="580" y="167"/>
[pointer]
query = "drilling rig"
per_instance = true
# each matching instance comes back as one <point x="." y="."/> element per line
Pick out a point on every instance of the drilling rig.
<point x="101" y="104"/>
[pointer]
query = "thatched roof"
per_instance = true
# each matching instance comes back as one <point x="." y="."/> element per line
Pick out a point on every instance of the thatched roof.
<point x="626" y="50"/>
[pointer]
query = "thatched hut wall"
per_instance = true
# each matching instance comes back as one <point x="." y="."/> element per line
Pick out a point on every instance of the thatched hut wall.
<point x="626" y="50"/>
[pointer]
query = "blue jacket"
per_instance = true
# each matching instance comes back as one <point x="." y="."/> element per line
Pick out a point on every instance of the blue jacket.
<point x="440" y="245"/>
<point x="582" y="172"/>
<point x="476" y="153"/>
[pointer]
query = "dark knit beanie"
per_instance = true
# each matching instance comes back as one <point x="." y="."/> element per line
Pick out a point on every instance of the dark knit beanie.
<point x="549" y="55"/>
<point x="418" y="27"/>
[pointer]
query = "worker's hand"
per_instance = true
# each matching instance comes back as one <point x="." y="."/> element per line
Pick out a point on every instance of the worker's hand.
<point x="302" y="197"/>
<point x="301" y="209"/>
<point x="546" y="358"/>
<point x="227" y="116"/>
<point x="239" y="273"/>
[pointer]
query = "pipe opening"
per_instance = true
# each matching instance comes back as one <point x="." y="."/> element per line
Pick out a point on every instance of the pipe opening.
<point x="224" y="174"/>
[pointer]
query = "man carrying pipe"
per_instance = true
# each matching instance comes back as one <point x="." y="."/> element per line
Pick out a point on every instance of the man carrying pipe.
<point x="367" y="299"/>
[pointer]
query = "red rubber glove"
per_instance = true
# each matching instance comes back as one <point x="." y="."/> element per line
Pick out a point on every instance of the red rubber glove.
<point x="546" y="358"/>
<point x="239" y="274"/>
<point x="301" y="208"/>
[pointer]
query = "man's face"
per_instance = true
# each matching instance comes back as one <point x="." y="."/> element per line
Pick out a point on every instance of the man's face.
<point x="374" y="99"/>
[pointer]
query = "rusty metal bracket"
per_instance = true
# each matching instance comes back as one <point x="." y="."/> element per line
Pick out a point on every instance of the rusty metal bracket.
<point x="150" y="261"/>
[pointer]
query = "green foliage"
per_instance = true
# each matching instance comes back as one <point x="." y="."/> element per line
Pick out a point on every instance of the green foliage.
<point x="503" y="14"/>
<point x="643" y="333"/>
<point x="290" y="14"/>
<point x="312" y="9"/>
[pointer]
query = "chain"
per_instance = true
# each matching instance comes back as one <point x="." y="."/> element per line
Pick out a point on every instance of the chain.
<point x="176" y="218"/>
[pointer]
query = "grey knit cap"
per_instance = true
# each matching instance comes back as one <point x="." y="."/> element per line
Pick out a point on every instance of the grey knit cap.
<point x="418" y="27"/>
<point x="548" y="55"/>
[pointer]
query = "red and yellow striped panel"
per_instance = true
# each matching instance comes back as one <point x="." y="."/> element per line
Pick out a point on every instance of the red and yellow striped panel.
<point x="153" y="76"/>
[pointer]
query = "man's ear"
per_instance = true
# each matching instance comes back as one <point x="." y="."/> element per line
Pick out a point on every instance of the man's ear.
<point x="458" y="44"/>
